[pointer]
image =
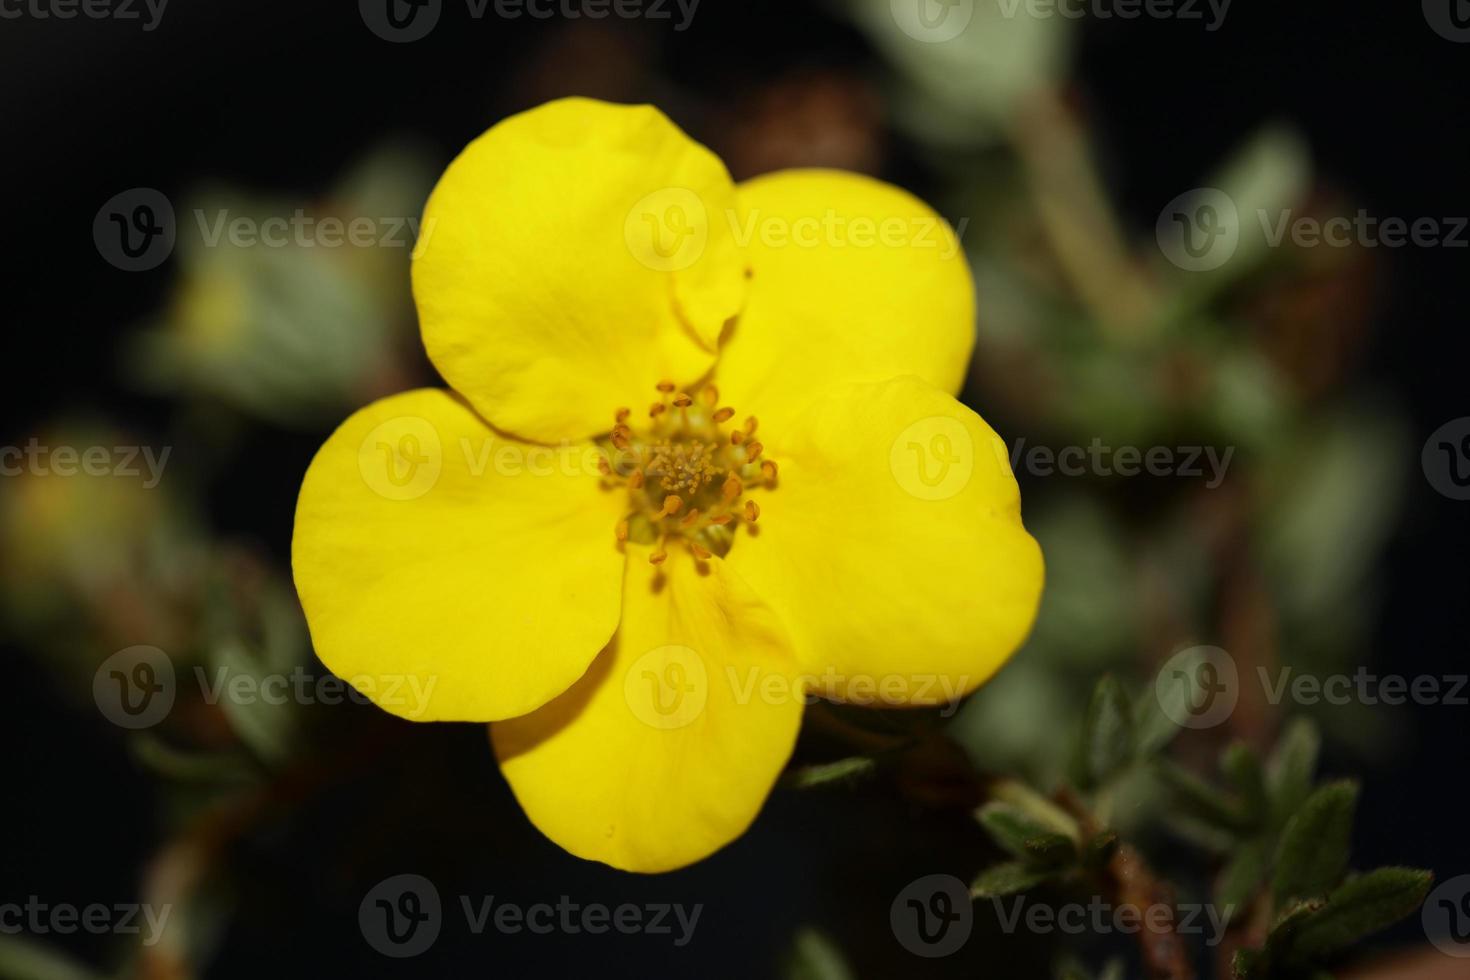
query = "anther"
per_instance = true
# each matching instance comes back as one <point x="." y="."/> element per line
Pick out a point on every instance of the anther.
<point x="768" y="470"/>
<point x="732" y="488"/>
<point x="665" y="386"/>
<point x="603" y="467"/>
<point x="711" y="396"/>
<point x="622" y="415"/>
<point x="752" y="511"/>
<point x="700" y="553"/>
<point x="657" y="558"/>
<point x="656" y="409"/>
<point x="723" y="415"/>
<point x="682" y="400"/>
<point x="673" y="503"/>
<point x="690" y="518"/>
<point x="622" y="531"/>
<point x="750" y="425"/>
<point x="722" y="520"/>
<point x="635" y="481"/>
<point x="737" y="437"/>
<point x="752" y="451"/>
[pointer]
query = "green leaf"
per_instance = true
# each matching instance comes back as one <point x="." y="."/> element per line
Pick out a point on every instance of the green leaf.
<point x="1363" y="906"/>
<point x="1242" y="769"/>
<point x="23" y="958"/>
<point x="1200" y="800"/>
<point x="1107" y="735"/>
<point x="1290" y="768"/>
<point x="1164" y="702"/>
<point x="827" y="773"/>
<point x="1242" y="877"/>
<point x="1050" y="851"/>
<point x="1010" y="826"/>
<point x="1007" y="879"/>
<point x="1315" y="844"/>
<point x="814" y="956"/>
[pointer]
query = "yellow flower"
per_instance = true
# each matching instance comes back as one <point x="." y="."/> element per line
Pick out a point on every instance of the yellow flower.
<point x="585" y="544"/>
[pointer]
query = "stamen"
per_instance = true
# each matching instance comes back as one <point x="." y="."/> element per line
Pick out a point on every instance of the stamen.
<point x="752" y="451"/>
<point x="665" y="386"/>
<point x="769" y="470"/>
<point x="635" y="481"/>
<point x="711" y="396"/>
<point x="690" y="518"/>
<point x="752" y="511"/>
<point x="723" y="415"/>
<point x="622" y="415"/>
<point x="672" y="505"/>
<point x="622" y="531"/>
<point x="682" y="400"/>
<point x="699" y="552"/>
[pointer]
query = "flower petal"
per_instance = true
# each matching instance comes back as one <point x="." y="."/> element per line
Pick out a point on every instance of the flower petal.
<point x="450" y="573"/>
<point x="852" y="280"/>
<point x="892" y="546"/>
<point x="570" y="259"/>
<point x="666" y="749"/>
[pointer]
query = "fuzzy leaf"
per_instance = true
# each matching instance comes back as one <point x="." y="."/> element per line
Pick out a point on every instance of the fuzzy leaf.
<point x="1242" y="769"/>
<point x="1315" y="844"/>
<point x="1242" y="877"/>
<point x="1010" y="826"/>
<point x="824" y="774"/>
<point x="1365" y="905"/>
<point x="1050" y="851"/>
<point x="1201" y="801"/>
<point x="1007" y="879"/>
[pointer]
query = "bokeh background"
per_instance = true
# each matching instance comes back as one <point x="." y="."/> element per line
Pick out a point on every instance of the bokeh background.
<point x="1058" y="142"/>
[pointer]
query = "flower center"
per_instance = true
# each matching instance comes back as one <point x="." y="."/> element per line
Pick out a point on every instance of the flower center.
<point x="688" y="473"/>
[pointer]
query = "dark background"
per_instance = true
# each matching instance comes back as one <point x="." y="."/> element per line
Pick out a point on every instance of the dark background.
<point x="284" y="96"/>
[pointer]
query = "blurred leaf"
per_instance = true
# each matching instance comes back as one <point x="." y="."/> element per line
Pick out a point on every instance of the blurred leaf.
<point x="1107" y="735"/>
<point x="1100" y="849"/>
<point x="22" y="958"/>
<point x="1315" y="845"/>
<point x="1011" y="827"/>
<point x="1290" y="769"/>
<point x="1007" y="879"/>
<point x="1243" y="772"/>
<point x="814" y="956"/>
<point x="1242" y="877"/>
<point x="966" y="89"/>
<point x="1200" y="800"/>
<point x="268" y="729"/>
<point x="841" y="771"/>
<point x="1050" y="851"/>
